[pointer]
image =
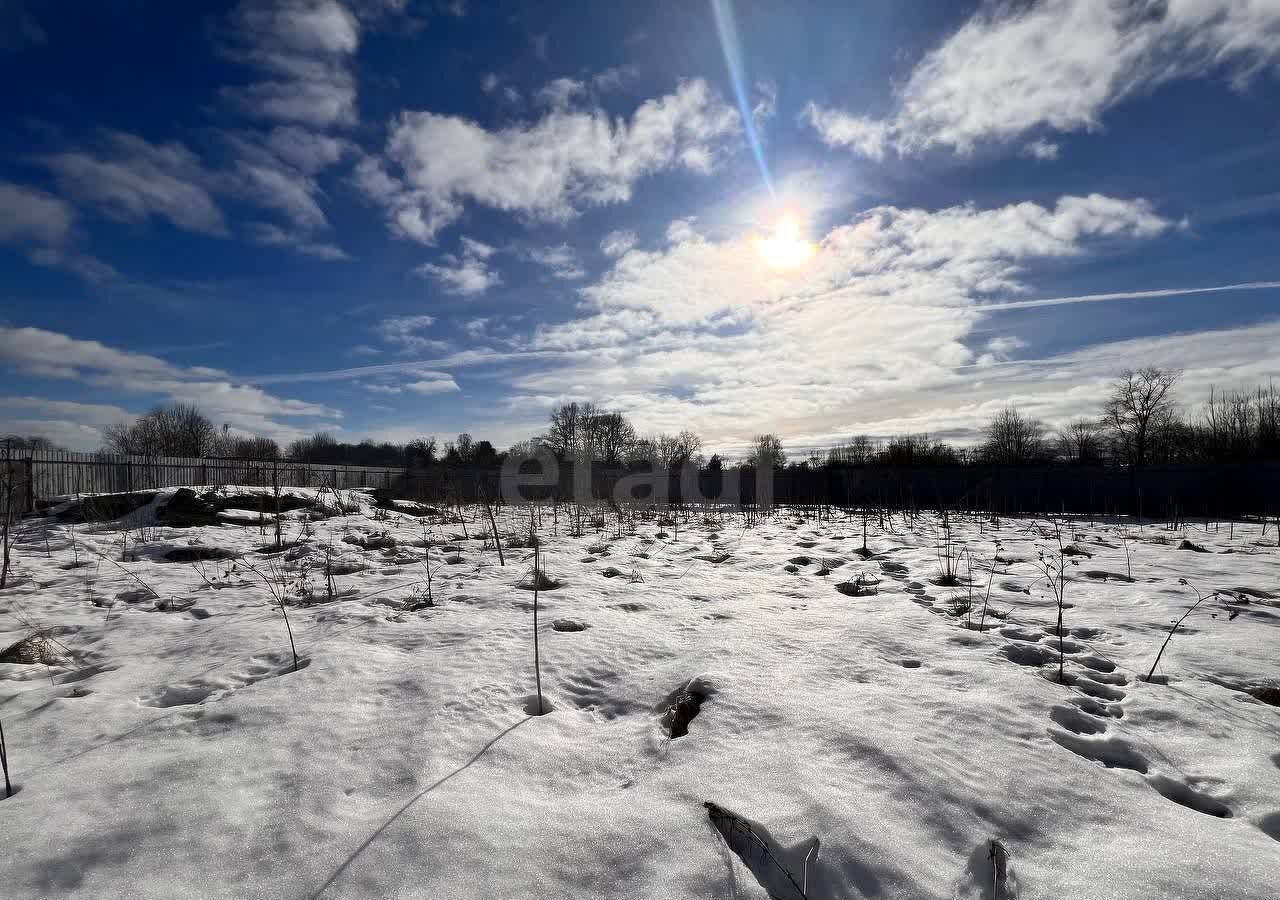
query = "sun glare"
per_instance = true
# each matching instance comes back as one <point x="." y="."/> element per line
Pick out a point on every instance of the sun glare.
<point x="787" y="248"/>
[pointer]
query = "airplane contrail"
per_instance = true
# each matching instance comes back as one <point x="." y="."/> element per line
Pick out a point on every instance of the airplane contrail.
<point x="1128" y="295"/>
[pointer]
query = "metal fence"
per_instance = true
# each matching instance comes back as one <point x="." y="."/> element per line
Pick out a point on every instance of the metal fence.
<point x="1188" y="490"/>
<point x="46" y="474"/>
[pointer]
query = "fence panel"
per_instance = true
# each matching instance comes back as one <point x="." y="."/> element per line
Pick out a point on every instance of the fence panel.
<point x="62" y="473"/>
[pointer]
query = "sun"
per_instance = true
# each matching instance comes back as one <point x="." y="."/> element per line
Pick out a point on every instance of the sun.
<point x="787" y="248"/>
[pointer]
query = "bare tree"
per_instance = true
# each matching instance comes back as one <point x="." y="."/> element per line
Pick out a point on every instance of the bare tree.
<point x="642" y="450"/>
<point x="1238" y="426"/>
<point x="176" y="430"/>
<point x="524" y="449"/>
<point x="465" y="447"/>
<point x="320" y="447"/>
<point x="585" y="432"/>
<point x="1139" y="400"/>
<point x="859" y="451"/>
<point x="1079" y="440"/>
<point x="675" y="450"/>
<point x="767" y="452"/>
<point x="254" y="448"/>
<point x="562" y="437"/>
<point x="420" y="452"/>
<point x="1012" y="438"/>
<point x="613" y="436"/>
<point x="587" y="447"/>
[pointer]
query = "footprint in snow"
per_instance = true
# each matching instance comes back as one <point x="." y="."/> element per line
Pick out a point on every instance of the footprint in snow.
<point x="198" y="690"/>
<point x="1185" y="795"/>
<point x="1076" y="721"/>
<point x="1270" y="825"/>
<point x="1113" y="752"/>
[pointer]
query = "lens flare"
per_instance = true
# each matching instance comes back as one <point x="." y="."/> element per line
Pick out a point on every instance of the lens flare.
<point x="787" y="248"/>
<point x="728" y="31"/>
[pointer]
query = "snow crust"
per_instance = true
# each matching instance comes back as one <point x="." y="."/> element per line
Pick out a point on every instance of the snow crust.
<point x="174" y="752"/>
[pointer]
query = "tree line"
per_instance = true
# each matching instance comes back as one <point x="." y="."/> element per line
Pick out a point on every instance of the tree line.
<point x="1139" y="423"/>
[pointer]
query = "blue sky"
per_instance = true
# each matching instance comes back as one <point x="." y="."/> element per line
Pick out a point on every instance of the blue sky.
<point x="388" y="218"/>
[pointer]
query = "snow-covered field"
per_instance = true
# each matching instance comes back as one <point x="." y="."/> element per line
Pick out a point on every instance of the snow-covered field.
<point x="170" y="750"/>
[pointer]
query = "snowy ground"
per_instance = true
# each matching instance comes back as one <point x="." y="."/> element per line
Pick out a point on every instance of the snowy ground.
<point x="174" y="752"/>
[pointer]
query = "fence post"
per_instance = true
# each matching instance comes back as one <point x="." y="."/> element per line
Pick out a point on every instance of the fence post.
<point x="31" y="484"/>
<point x="204" y="472"/>
<point x="128" y="475"/>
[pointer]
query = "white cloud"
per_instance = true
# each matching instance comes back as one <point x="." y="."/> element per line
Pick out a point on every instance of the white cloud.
<point x="544" y="170"/>
<point x="62" y="432"/>
<point x="862" y="134"/>
<point x="90" y="268"/>
<point x="277" y="171"/>
<point x="681" y="230"/>
<point x="87" y="413"/>
<point x="1041" y="149"/>
<point x="1005" y="344"/>
<point x="303" y="52"/>
<point x="476" y="327"/>
<point x="766" y="104"/>
<point x="560" y="92"/>
<point x="308" y="151"/>
<point x="315" y="103"/>
<point x="467" y="275"/>
<point x="27" y="347"/>
<point x="703" y="334"/>
<point x="283" y="190"/>
<point x="269" y="235"/>
<point x="27" y="214"/>
<point x="441" y="385"/>
<point x="492" y="83"/>
<point x="616" y="243"/>
<point x="404" y="333"/>
<point x="378" y="388"/>
<point x="420" y="381"/>
<point x="135" y="180"/>
<point x="999" y="349"/>
<point x="478" y="249"/>
<point x="241" y="406"/>
<point x="614" y="77"/>
<point x="560" y="260"/>
<point x="1057" y="65"/>
<point x="131" y="179"/>
<point x="303" y="48"/>
<point x="942" y="257"/>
